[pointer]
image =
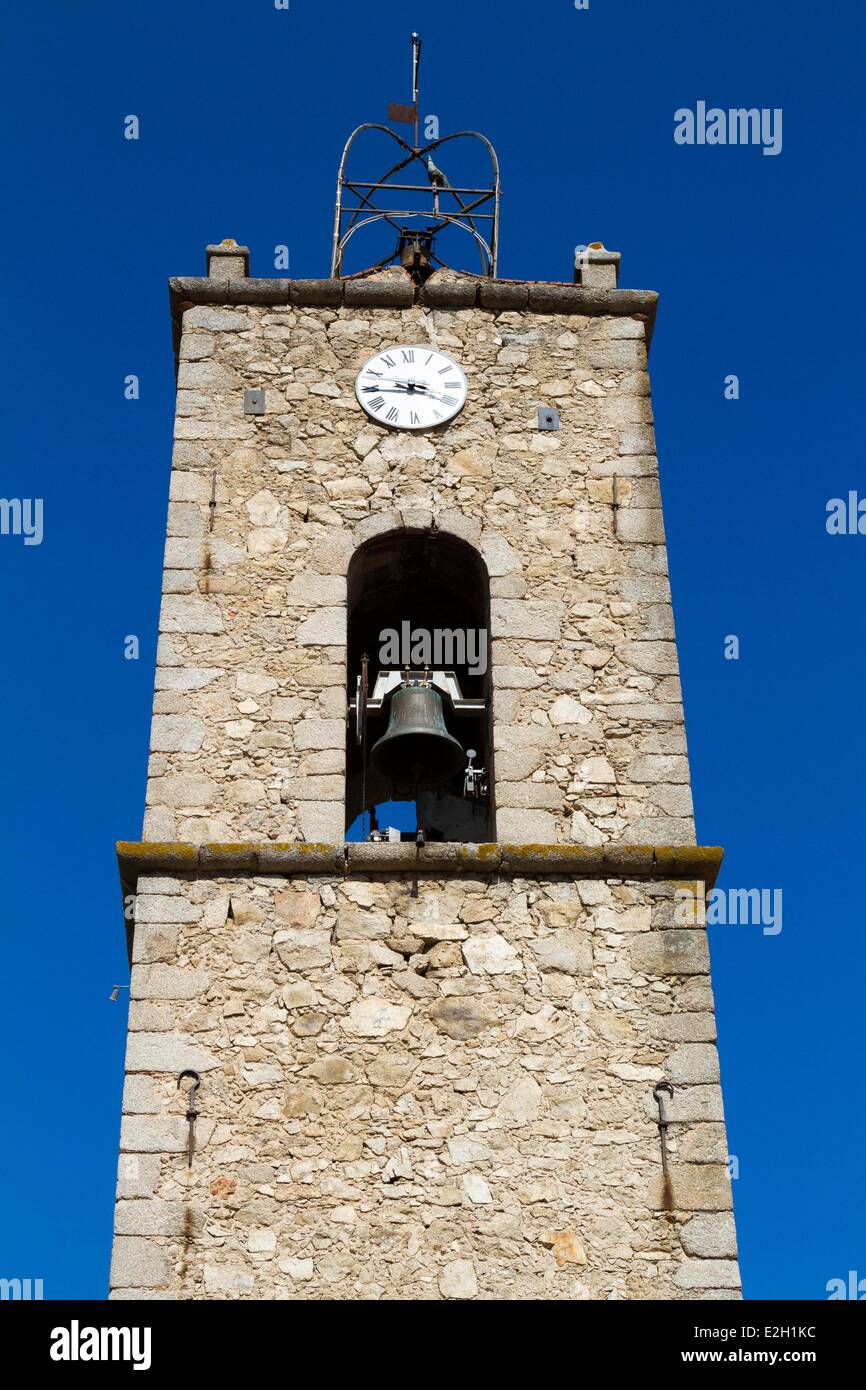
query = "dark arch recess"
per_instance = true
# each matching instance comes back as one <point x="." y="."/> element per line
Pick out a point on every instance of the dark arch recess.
<point x="432" y="580"/>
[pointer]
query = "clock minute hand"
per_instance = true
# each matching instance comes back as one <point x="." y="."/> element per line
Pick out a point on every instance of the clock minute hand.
<point x="394" y="384"/>
<point x="422" y="386"/>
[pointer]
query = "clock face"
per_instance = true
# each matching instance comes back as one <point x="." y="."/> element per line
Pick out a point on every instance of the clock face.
<point x="411" y="388"/>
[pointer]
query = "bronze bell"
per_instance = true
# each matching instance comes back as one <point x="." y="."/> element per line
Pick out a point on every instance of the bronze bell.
<point x="416" y="749"/>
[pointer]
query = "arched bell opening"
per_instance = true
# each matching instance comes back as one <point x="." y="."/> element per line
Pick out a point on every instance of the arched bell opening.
<point x="419" y="740"/>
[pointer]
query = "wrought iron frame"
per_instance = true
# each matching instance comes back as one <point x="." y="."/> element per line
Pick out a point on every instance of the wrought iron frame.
<point x="349" y="218"/>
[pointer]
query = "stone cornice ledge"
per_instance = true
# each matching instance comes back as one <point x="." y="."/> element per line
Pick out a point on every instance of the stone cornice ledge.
<point x="458" y="292"/>
<point x="578" y="861"/>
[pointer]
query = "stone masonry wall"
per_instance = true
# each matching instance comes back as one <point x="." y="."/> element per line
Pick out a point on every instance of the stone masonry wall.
<point x="248" y="727"/>
<point x="446" y="1095"/>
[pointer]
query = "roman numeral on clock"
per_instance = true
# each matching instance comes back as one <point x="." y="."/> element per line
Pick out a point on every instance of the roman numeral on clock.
<point x="414" y="419"/>
<point x="449" y="400"/>
<point x="408" y="355"/>
<point x="377" y="402"/>
<point x="389" y="361"/>
<point x="393" y="414"/>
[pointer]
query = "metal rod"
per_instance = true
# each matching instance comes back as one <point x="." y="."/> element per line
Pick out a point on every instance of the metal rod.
<point x="387" y="213"/>
<point x="416" y="66"/>
<point x="663" y="1121"/>
<point x="191" y="1112"/>
<point x="365" y="667"/>
<point x="353" y="184"/>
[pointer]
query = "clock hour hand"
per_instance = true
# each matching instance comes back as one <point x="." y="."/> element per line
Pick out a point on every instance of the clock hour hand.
<point x="390" y="383"/>
<point x="423" y="387"/>
<point x="410" y="387"/>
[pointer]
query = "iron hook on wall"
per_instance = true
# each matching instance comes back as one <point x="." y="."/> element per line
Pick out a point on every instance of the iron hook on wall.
<point x="663" y="1088"/>
<point x="191" y="1113"/>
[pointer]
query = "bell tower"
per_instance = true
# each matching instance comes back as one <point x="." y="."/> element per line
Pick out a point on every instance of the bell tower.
<point x="420" y="996"/>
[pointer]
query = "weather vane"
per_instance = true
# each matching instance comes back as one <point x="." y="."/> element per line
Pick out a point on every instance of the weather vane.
<point x="363" y="202"/>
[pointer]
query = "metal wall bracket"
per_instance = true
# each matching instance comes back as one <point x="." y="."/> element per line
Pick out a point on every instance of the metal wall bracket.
<point x="444" y="681"/>
<point x="548" y="417"/>
<point x="254" y="401"/>
<point x="664" y="1088"/>
<point x="191" y="1112"/>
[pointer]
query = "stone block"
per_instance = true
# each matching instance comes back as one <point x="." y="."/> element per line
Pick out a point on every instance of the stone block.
<point x="661" y="831"/>
<point x="526" y="827"/>
<point x="326" y="628"/>
<point x="185" y="519"/>
<point x="180" y="613"/>
<point x="708" y="1274"/>
<point x="528" y="618"/>
<point x="516" y="764"/>
<point x="531" y="795"/>
<point x="231" y="1281"/>
<point x="670" y="952"/>
<point x="186" y="678"/>
<point x="151" y="1018"/>
<point x="154" y="943"/>
<point x="321" y="823"/>
<point x="303" y="950"/>
<point x="517" y="678"/>
<point x="702" y="1143"/>
<point x="169" y="982"/>
<point x="319" y="733"/>
<point x="684" y="1027"/>
<point x="639" y="526"/>
<point x="675" y="802"/>
<point x="693" y="1187"/>
<point x="521" y="737"/>
<point x="182" y="553"/>
<point x="156" y="1134"/>
<point x="141" y="1096"/>
<point x="376" y="1018"/>
<point x="153" y="908"/>
<point x="499" y="556"/>
<point x="651" y="767"/>
<point x="710" y="1235"/>
<point x="137" y="1175"/>
<point x="701" y="1103"/>
<point x="488" y="953"/>
<point x="176" y="733"/>
<point x="184" y="791"/>
<point x="458" y="1279"/>
<point x="153" y="883"/>
<point x="317" y="590"/>
<point x="137" y="1263"/>
<point x="693" y="1063"/>
<point x="655" y="658"/>
<point x="166" y="1052"/>
<point x="566" y="951"/>
<point x="315" y="789"/>
<point x="202" y="316"/>
<point x="155" y="1218"/>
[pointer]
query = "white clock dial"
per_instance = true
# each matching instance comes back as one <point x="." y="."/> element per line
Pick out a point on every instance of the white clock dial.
<point x="411" y="388"/>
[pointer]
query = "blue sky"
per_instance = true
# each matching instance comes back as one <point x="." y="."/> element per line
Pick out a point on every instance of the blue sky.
<point x="243" y="111"/>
